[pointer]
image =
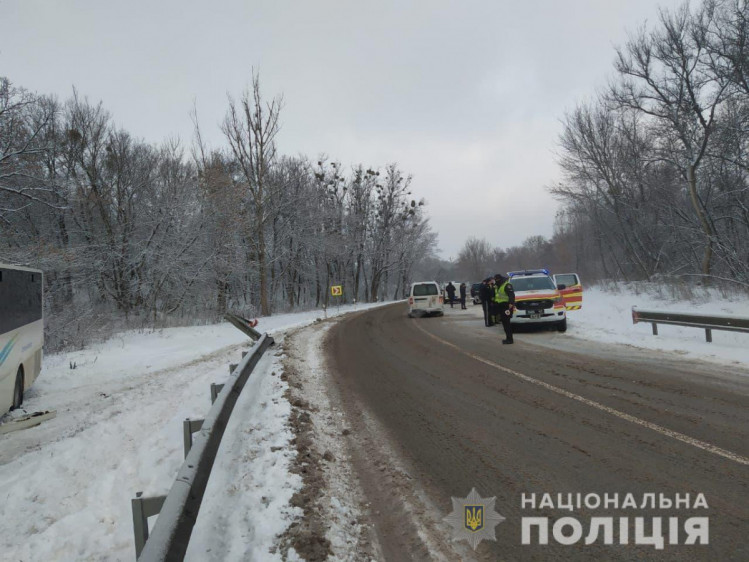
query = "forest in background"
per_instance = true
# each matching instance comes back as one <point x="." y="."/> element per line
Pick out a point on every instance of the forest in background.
<point x="131" y="235"/>
<point x="653" y="187"/>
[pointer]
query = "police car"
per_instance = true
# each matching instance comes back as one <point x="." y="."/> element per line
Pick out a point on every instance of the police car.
<point x="537" y="299"/>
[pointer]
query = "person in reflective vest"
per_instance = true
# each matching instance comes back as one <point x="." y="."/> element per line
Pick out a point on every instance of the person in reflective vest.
<point x="504" y="301"/>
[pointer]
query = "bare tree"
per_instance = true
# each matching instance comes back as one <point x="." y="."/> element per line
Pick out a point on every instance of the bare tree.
<point x="725" y="32"/>
<point x="665" y="74"/>
<point x="250" y="127"/>
<point x="24" y="120"/>
<point x="390" y="207"/>
<point x="139" y="235"/>
<point x="474" y="258"/>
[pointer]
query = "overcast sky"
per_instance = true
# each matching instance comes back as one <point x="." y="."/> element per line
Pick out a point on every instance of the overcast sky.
<point x="466" y="96"/>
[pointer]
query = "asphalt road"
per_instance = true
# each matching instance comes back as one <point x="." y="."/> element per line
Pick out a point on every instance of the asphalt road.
<point x="463" y="411"/>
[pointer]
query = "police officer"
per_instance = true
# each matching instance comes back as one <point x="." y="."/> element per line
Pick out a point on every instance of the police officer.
<point x="450" y="290"/>
<point x="504" y="300"/>
<point x="485" y="296"/>
<point x="463" y="296"/>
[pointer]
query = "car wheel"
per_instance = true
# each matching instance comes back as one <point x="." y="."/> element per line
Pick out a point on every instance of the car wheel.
<point x="562" y="326"/>
<point x="18" y="390"/>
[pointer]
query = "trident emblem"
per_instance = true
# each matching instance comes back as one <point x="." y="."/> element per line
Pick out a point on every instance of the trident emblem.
<point x="474" y="517"/>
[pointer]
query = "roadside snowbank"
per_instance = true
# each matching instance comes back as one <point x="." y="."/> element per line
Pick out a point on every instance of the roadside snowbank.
<point x="247" y="503"/>
<point x="606" y="316"/>
<point x="67" y="484"/>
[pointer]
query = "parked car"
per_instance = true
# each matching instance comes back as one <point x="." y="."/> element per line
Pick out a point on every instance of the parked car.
<point x="475" y="293"/>
<point x="424" y="299"/>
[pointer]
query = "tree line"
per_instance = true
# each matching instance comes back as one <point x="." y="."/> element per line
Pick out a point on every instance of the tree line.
<point x="655" y="167"/>
<point x="143" y="234"/>
<point x="478" y="259"/>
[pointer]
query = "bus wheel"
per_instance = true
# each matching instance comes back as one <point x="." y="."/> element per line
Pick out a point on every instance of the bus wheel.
<point x="18" y="390"/>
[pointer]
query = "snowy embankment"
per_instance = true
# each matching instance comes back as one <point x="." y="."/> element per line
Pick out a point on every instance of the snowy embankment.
<point x="606" y="316"/>
<point x="66" y="485"/>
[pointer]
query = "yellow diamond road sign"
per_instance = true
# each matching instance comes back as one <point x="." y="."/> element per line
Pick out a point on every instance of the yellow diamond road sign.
<point x="336" y="290"/>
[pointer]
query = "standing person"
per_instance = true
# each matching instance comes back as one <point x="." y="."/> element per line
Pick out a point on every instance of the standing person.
<point x="485" y="298"/>
<point x="450" y="290"/>
<point x="504" y="298"/>
<point x="463" y="296"/>
<point x="491" y="305"/>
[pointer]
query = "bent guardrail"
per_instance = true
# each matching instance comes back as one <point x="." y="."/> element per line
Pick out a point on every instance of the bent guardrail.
<point x="178" y="511"/>
<point x="244" y="325"/>
<point x="708" y="323"/>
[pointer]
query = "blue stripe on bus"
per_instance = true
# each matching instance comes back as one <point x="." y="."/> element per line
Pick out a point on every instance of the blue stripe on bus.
<point x="7" y="349"/>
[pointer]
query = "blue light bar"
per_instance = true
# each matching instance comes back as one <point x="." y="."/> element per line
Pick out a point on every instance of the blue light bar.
<point x="528" y="272"/>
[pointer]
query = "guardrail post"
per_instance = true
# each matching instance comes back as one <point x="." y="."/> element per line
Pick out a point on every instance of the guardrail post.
<point x="143" y="508"/>
<point x="708" y="335"/>
<point x="655" y="329"/>
<point x="188" y="428"/>
<point x="215" y="389"/>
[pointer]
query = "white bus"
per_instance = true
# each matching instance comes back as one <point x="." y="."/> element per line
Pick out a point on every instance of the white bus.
<point x="21" y="332"/>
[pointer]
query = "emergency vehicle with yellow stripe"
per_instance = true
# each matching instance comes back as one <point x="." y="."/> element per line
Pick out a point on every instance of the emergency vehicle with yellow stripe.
<point x="570" y="288"/>
<point x="539" y="298"/>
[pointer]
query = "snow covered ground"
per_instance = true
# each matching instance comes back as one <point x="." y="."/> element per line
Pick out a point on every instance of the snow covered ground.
<point x="606" y="316"/>
<point x="247" y="501"/>
<point x="66" y="485"/>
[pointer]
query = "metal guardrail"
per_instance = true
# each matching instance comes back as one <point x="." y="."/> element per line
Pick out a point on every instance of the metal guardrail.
<point x="708" y="323"/>
<point x="179" y="512"/>
<point x="244" y="324"/>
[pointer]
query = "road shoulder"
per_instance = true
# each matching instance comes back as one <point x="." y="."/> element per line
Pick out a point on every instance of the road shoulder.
<point x="335" y="521"/>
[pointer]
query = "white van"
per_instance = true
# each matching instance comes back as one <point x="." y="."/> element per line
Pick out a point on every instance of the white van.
<point x="425" y="298"/>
